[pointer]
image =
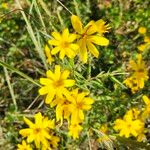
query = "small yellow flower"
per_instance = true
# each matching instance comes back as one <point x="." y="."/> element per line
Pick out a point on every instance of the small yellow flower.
<point x="24" y="146"/>
<point x="54" y="141"/>
<point x="147" y="39"/>
<point x="146" y="112"/>
<point x="63" y="108"/>
<point x="87" y="38"/>
<point x="55" y="84"/>
<point x="142" y="30"/>
<point x="4" y="5"/>
<point x="64" y="44"/>
<point x="101" y="26"/>
<point x="129" y="125"/>
<point x="39" y="132"/>
<point x="48" y="54"/>
<point x="79" y="103"/>
<point x="139" y="75"/>
<point x="104" y="128"/>
<point x="74" y="130"/>
<point x="142" y="47"/>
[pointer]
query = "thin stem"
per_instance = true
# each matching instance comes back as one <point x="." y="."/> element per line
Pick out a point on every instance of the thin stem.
<point x="10" y="87"/>
<point x="64" y="7"/>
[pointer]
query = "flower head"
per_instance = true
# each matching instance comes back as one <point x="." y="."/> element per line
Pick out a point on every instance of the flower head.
<point x="101" y="26"/>
<point x="48" y="54"/>
<point x="63" y="108"/>
<point x="64" y="44"/>
<point x="74" y="130"/>
<point x="139" y="75"/>
<point x="55" y="83"/>
<point x="146" y="112"/>
<point x="39" y="132"/>
<point x="79" y="103"/>
<point x="24" y="146"/>
<point x="142" y="30"/>
<point x="87" y="37"/>
<point x="129" y="125"/>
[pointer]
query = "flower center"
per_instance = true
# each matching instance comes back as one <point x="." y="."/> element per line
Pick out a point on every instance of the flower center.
<point x="79" y="105"/>
<point x="141" y="70"/>
<point x="64" y="44"/>
<point x="37" y="130"/>
<point x="58" y="83"/>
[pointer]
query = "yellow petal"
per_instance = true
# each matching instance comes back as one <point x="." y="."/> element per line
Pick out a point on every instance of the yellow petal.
<point x="65" y="74"/>
<point x="81" y="115"/>
<point x="83" y="51"/>
<point x="76" y="23"/>
<point x="56" y="35"/>
<point x="28" y="122"/>
<point x="55" y="50"/>
<point x="146" y="100"/>
<point x="93" y="49"/>
<point x="50" y="97"/>
<point x="53" y="42"/>
<point x="43" y="90"/>
<point x="69" y="83"/>
<point x="72" y="37"/>
<point x="38" y="119"/>
<point x="57" y="72"/>
<point x="65" y="34"/>
<point x="90" y="28"/>
<point x="99" y="40"/>
<point x="50" y="75"/>
<point x="45" y="81"/>
<point x="62" y="54"/>
<point x="74" y="46"/>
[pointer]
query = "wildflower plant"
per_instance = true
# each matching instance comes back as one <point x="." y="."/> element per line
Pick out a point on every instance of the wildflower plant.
<point x="93" y="83"/>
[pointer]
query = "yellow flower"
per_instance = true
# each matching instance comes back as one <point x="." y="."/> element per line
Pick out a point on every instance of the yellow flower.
<point x="142" y="47"/>
<point x="4" y="5"/>
<point x="104" y="128"/>
<point x="147" y="39"/>
<point x="63" y="108"/>
<point x="79" y="103"/>
<point x="139" y="75"/>
<point x="142" y="30"/>
<point x="74" y="130"/>
<point x="54" y="141"/>
<point x="48" y="54"/>
<point x="24" y="146"/>
<point x="134" y="112"/>
<point x="87" y="38"/>
<point x="39" y="132"/>
<point x="64" y="44"/>
<point x="129" y="126"/>
<point x="101" y="26"/>
<point x="146" y="112"/>
<point x="55" y="83"/>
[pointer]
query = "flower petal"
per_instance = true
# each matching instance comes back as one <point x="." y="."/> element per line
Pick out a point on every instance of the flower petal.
<point x="76" y="23"/>
<point x="93" y="49"/>
<point x="99" y="40"/>
<point x="55" y="50"/>
<point x="53" y="42"/>
<point x="57" y="72"/>
<point x="83" y="51"/>
<point x="56" y="35"/>
<point x="65" y="34"/>
<point x="50" y="97"/>
<point x="69" y="83"/>
<point x="43" y="90"/>
<point x="65" y="74"/>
